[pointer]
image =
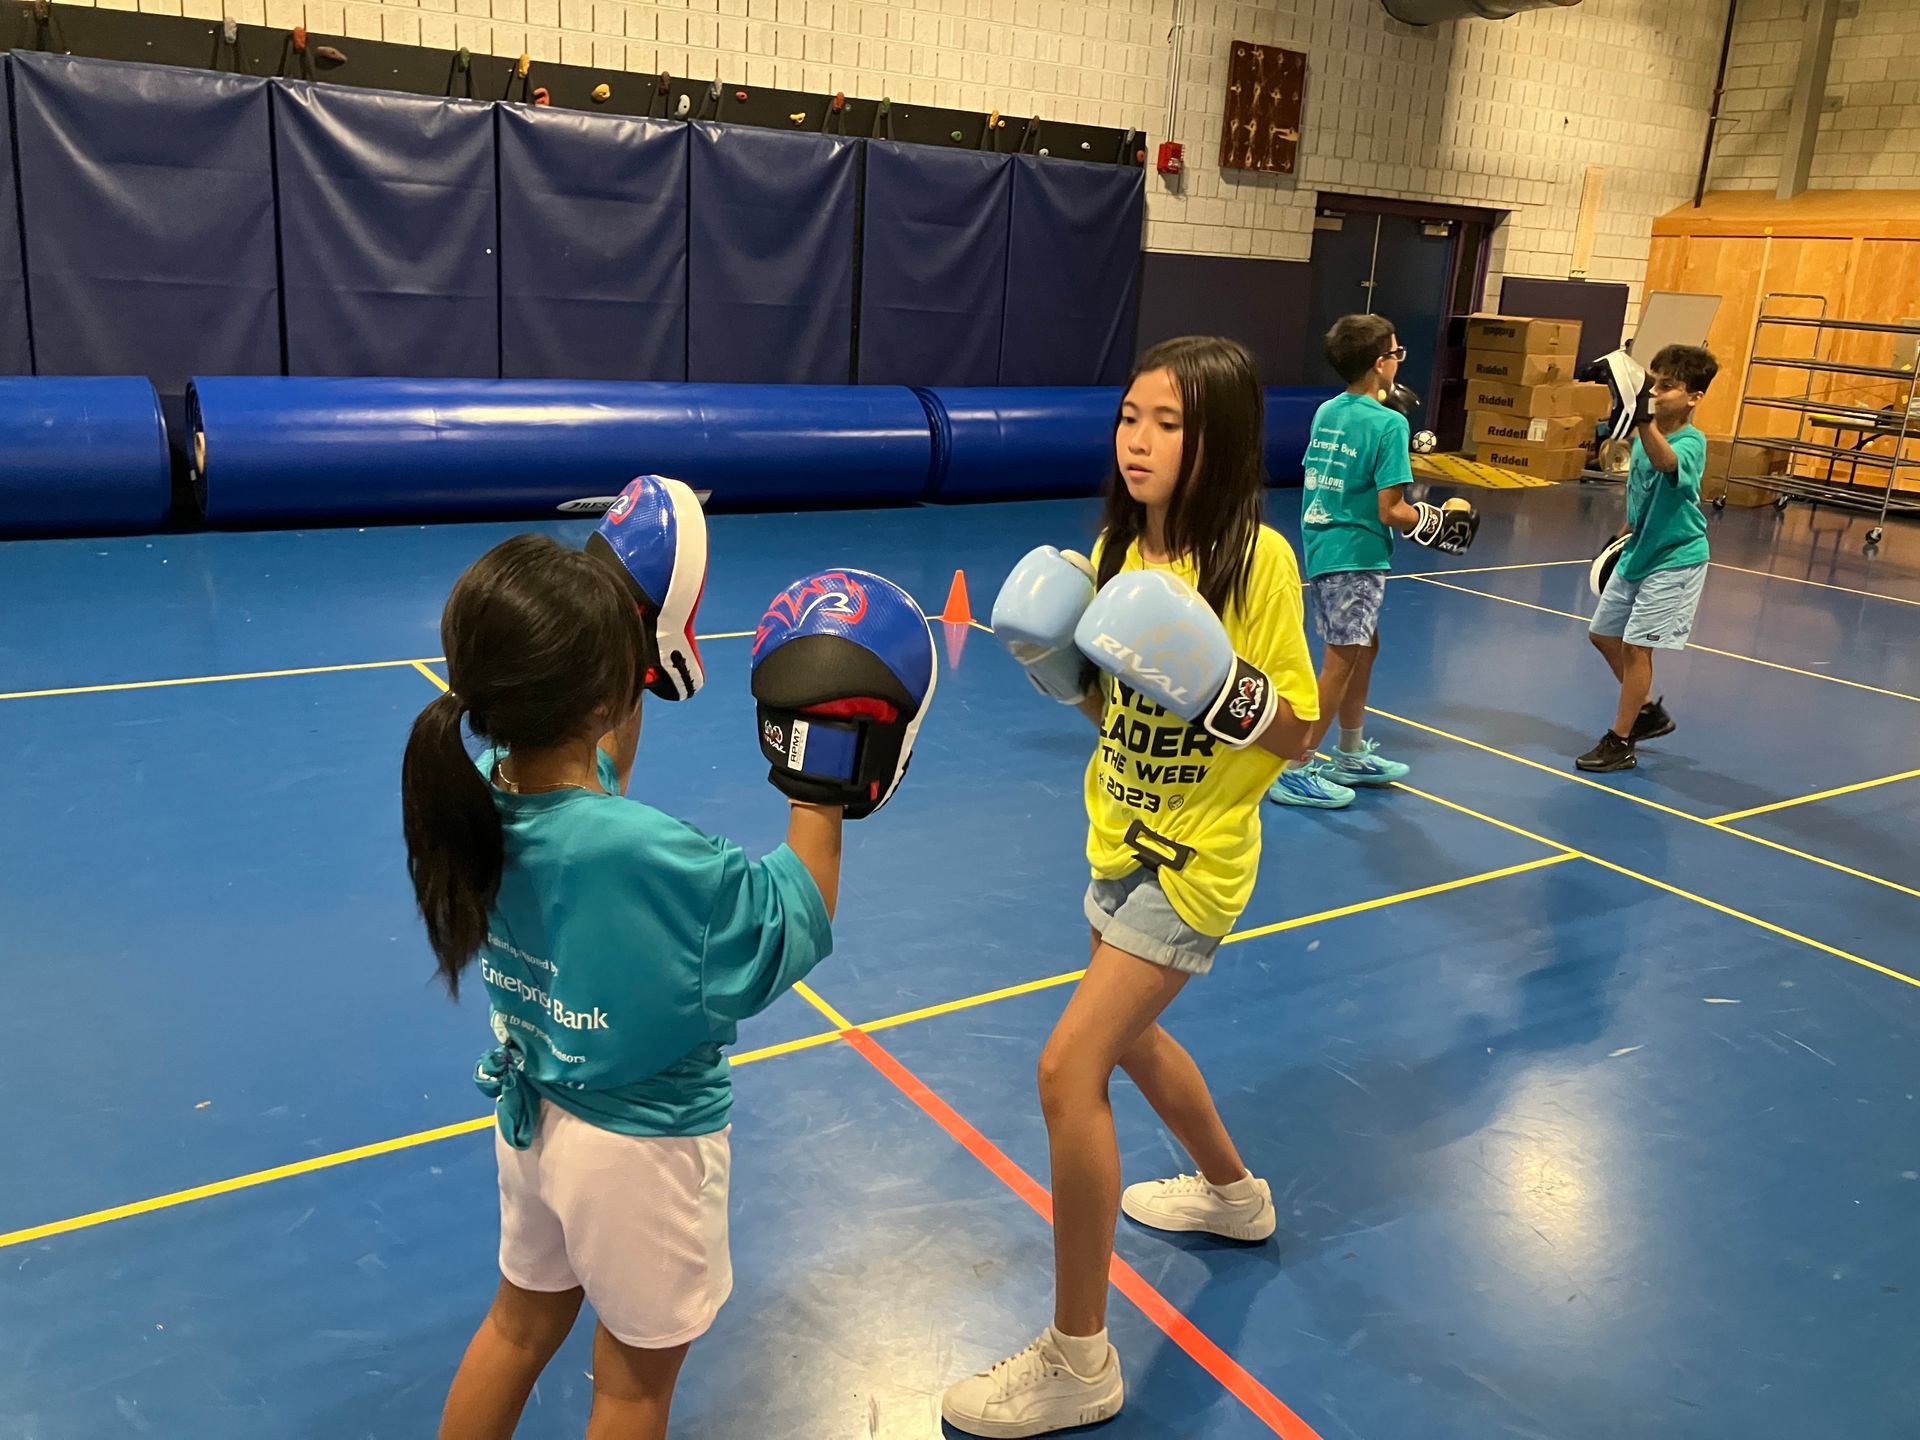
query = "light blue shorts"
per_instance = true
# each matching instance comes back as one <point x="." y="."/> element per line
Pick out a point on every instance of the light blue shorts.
<point x="1133" y="914"/>
<point x="1656" y="612"/>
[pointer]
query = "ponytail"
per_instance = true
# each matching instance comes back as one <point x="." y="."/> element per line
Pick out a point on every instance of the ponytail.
<point x="543" y="645"/>
<point x="454" y="844"/>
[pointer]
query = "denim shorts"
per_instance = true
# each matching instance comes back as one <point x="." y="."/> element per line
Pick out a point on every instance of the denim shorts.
<point x="1656" y="612"/>
<point x="1133" y="914"/>
<point x="1346" y="605"/>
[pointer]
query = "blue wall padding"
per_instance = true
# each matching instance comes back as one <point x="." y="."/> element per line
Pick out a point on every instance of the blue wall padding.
<point x="1290" y="412"/>
<point x="388" y="232"/>
<point x="770" y="268"/>
<point x="82" y="453"/>
<point x="317" y="449"/>
<point x="1007" y="444"/>
<point x="933" y="265"/>
<point x="148" y="197"/>
<point x="16" y="356"/>
<point x="1073" y="269"/>
<point x="593" y="246"/>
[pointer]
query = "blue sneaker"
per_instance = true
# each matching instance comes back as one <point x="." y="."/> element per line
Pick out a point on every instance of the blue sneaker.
<point x="1310" y="786"/>
<point x="1364" y="767"/>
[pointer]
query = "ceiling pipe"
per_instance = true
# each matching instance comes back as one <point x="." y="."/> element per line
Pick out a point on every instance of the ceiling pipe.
<point x="1719" y="94"/>
<point x="1438" y="12"/>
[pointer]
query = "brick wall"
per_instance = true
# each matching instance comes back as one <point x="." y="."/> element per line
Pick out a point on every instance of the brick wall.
<point x="1503" y="114"/>
<point x="1870" y="130"/>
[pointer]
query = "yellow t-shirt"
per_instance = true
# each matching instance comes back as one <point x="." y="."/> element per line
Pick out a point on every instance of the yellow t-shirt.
<point x="1161" y="784"/>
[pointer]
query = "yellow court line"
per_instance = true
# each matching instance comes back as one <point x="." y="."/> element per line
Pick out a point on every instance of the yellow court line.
<point x="1809" y="674"/>
<point x="1535" y="765"/>
<point x="1755" y="920"/>
<point x="1503" y="599"/>
<point x="1691" y="645"/>
<point x="1809" y="799"/>
<point x="1820" y="584"/>
<point x="1649" y="804"/>
<point x="807" y="993"/>
<point x="1485" y="569"/>
<point x="1425" y="890"/>
<point x="427" y="671"/>
<point x="1298" y="922"/>
<point x="325" y="1162"/>
<point x="209" y="679"/>
<point x="986" y="997"/>
<point x="806" y="1042"/>
<point x="282" y="674"/>
<point x="240" y="1182"/>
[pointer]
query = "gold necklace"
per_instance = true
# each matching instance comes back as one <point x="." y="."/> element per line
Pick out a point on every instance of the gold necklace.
<point x="500" y="776"/>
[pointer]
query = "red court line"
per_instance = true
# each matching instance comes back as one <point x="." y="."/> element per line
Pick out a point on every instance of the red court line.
<point x="1156" y="1307"/>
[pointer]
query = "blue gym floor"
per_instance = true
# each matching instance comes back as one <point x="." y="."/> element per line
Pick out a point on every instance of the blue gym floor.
<point x="1590" y="1111"/>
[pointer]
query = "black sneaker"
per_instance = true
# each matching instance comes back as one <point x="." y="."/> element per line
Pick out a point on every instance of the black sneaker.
<point x="1651" y="723"/>
<point x="1612" y="753"/>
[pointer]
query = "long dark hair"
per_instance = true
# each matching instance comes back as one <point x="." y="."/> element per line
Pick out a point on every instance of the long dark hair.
<point x="1215" y="513"/>
<point x="542" y="646"/>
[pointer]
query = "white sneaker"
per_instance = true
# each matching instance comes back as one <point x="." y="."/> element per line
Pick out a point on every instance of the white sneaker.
<point x="1033" y="1393"/>
<point x="1189" y="1202"/>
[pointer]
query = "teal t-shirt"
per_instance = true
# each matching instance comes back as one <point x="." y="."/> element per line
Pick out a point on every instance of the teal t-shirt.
<point x="1663" y="511"/>
<point x="623" y="951"/>
<point x="1359" y="448"/>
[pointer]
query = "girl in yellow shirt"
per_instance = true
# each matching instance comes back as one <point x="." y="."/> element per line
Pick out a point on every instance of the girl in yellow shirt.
<point x="1183" y="641"/>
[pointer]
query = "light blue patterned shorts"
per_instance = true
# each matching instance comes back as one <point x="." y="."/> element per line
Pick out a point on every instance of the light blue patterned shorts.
<point x="1346" y="605"/>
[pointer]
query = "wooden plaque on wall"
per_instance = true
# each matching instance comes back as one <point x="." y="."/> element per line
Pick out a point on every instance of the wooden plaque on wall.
<point x="1262" y="128"/>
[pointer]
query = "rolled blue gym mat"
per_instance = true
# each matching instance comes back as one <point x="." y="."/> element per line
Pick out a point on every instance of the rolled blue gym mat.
<point x="1008" y="443"/>
<point x="82" y="453"/>
<point x="285" y="448"/>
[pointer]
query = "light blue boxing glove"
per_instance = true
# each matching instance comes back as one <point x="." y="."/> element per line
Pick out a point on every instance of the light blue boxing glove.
<point x="1154" y="633"/>
<point x="1034" y="615"/>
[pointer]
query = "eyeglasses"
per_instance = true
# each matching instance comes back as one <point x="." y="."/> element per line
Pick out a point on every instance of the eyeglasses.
<point x="1399" y="352"/>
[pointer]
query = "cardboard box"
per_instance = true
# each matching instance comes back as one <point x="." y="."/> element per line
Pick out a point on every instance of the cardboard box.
<point x="1541" y="402"/>
<point x="1725" y="458"/>
<point x="1521" y="335"/>
<point x="1541" y="460"/>
<point x="1513" y="368"/>
<point x="1563" y="434"/>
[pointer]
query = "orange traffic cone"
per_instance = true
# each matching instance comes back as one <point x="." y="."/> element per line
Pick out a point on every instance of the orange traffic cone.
<point x="958" y="611"/>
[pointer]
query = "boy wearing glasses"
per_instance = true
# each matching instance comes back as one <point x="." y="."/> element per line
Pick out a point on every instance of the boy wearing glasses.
<point x="1649" y="601"/>
<point x="1357" y="472"/>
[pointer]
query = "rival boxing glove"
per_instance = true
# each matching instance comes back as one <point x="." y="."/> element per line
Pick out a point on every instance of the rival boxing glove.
<point x="1449" y="528"/>
<point x="1034" y="615"/>
<point x="654" y="536"/>
<point x="843" y="670"/>
<point x="1154" y="633"/>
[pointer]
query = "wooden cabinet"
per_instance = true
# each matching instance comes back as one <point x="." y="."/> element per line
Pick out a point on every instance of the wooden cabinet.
<point x="1859" y="250"/>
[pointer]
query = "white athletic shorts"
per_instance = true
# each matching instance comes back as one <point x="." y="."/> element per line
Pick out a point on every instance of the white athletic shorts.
<point x="639" y="1222"/>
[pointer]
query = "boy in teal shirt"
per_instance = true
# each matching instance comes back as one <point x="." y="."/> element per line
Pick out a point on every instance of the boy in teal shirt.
<point x="1357" y="472"/>
<point x="1650" y="599"/>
